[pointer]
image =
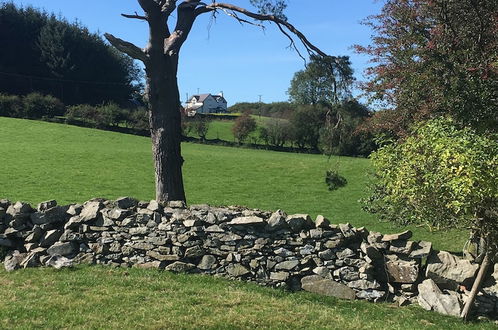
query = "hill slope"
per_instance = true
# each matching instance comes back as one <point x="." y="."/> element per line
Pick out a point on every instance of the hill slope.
<point x="43" y="161"/>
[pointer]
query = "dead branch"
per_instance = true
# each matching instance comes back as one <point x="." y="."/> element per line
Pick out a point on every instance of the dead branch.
<point x="127" y="47"/>
<point x="136" y="16"/>
<point x="310" y="48"/>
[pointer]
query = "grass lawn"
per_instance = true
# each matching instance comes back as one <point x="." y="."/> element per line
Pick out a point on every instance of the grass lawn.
<point x="41" y="161"/>
<point x="98" y="297"/>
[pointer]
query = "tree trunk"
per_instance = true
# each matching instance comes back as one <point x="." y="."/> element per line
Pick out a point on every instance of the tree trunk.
<point x="475" y="287"/>
<point x="165" y="128"/>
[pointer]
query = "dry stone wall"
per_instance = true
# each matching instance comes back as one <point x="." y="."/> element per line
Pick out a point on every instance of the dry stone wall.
<point x="270" y="248"/>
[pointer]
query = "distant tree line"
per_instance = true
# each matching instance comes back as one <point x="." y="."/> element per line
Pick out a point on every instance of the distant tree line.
<point x="47" y="54"/>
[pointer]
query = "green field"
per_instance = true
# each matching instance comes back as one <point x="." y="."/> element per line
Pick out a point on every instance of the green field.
<point x="41" y="161"/>
<point x="222" y="130"/>
<point x="98" y="297"/>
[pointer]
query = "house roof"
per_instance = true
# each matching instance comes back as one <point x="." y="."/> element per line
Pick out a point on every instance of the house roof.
<point x="200" y="97"/>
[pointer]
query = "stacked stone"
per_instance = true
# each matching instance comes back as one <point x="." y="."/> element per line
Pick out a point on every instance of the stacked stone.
<point x="273" y="249"/>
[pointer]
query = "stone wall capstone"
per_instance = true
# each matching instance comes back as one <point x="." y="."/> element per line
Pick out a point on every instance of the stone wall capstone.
<point x="269" y="248"/>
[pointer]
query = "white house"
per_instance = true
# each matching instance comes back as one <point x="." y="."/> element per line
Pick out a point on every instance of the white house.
<point x="206" y="103"/>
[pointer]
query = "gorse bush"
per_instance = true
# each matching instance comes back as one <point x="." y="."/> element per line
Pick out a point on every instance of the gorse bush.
<point x="442" y="175"/>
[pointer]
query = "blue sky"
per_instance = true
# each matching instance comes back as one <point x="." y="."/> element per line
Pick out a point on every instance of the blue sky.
<point x="242" y="61"/>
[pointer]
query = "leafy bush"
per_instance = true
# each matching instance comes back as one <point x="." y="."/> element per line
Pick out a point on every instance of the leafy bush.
<point x="36" y="106"/>
<point x="139" y="119"/>
<point x="306" y="123"/>
<point x="198" y="125"/>
<point x="334" y="180"/>
<point x="10" y="105"/>
<point x="243" y="126"/>
<point x="275" y="132"/>
<point x="110" y="114"/>
<point x="443" y="176"/>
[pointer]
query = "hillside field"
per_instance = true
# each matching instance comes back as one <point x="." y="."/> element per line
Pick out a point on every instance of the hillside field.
<point x="41" y="161"/>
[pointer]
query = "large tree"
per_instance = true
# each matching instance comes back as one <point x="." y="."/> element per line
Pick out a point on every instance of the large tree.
<point x="160" y="58"/>
<point x="324" y="81"/>
<point x="434" y="58"/>
<point x="44" y="53"/>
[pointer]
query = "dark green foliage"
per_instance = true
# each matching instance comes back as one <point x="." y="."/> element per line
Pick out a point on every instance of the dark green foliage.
<point x="324" y="81"/>
<point x="339" y="134"/>
<point x="198" y="125"/>
<point x="37" y="106"/>
<point x="275" y="132"/>
<point x="334" y="180"/>
<point x="10" y="105"/>
<point x="243" y="126"/>
<point x="46" y="54"/>
<point x="139" y="119"/>
<point x="107" y="115"/>
<point x="275" y="109"/>
<point x="305" y="125"/>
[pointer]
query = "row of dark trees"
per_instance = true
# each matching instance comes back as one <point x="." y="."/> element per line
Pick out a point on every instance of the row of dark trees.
<point x="47" y="54"/>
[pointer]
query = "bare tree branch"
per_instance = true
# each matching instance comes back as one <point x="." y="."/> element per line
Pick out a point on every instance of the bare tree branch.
<point x="310" y="48"/>
<point x="127" y="47"/>
<point x="136" y="16"/>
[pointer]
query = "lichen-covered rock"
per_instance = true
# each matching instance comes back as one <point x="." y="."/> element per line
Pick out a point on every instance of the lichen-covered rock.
<point x="430" y="297"/>
<point x="449" y="271"/>
<point x="326" y="287"/>
<point x="402" y="270"/>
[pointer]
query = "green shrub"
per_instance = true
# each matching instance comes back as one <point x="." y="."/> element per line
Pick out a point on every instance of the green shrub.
<point x="334" y="180"/>
<point x="275" y="132"/>
<point x="110" y="114"/>
<point x="82" y="112"/>
<point x="139" y="119"/>
<point x="36" y="106"/>
<point x="243" y="126"/>
<point x="10" y="105"/>
<point x="442" y="175"/>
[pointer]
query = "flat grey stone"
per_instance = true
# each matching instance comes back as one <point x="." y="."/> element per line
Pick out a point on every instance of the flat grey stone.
<point x="449" y="271"/>
<point x="277" y="221"/>
<point x="287" y="265"/>
<point x="126" y="202"/>
<point x="247" y="221"/>
<point x="279" y="276"/>
<point x="402" y="271"/>
<point x="320" y="285"/>
<point x="63" y="249"/>
<point x="179" y="267"/>
<point x="237" y="270"/>
<point x="90" y="211"/>
<point x="208" y="262"/>
<point x="298" y="222"/>
<point x="322" y="222"/>
<point x="430" y="297"/>
<point x="407" y="234"/>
